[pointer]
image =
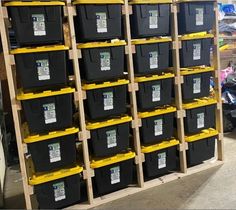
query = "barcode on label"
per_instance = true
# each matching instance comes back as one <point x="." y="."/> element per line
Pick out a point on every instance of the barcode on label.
<point x="108" y="101"/>
<point x="39" y="26"/>
<point x="43" y="69"/>
<point x="156" y="93"/>
<point x="49" y="113"/>
<point x="115" y="175"/>
<point x="59" y="191"/>
<point x="54" y="152"/>
<point x="153" y="19"/>
<point x="196" y="85"/>
<point x="196" y="51"/>
<point x="200" y="120"/>
<point x="158" y="127"/>
<point x="162" y="160"/>
<point x="105" y="58"/>
<point x="199" y="16"/>
<point x="153" y="60"/>
<point x="111" y="138"/>
<point x="101" y="22"/>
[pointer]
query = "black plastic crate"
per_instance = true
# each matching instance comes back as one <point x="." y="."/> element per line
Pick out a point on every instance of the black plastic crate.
<point x="196" y="85"/>
<point x="200" y="118"/>
<point x="154" y="91"/>
<point x="52" y="153"/>
<point x="157" y="125"/>
<point x="113" y="174"/>
<point x="37" y="23"/>
<point x="109" y="137"/>
<point x="49" y="113"/>
<point x="152" y="56"/>
<point x="58" y="189"/>
<point x="150" y="20"/>
<point x="98" y="21"/>
<point x="106" y="99"/>
<point x="41" y="68"/>
<point x="195" y="52"/>
<point x="160" y="159"/>
<point x="102" y="61"/>
<point x="195" y="17"/>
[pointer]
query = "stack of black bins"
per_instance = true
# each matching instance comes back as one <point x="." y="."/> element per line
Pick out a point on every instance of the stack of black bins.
<point x="99" y="35"/>
<point x="150" y="26"/>
<point x="195" y="23"/>
<point x="41" y="66"/>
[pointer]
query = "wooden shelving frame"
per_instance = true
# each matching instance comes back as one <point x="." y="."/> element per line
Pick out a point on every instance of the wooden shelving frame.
<point x="80" y="95"/>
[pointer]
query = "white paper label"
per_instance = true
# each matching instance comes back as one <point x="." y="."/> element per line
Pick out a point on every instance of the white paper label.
<point x="39" y="25"/>
<point x="162" y="160"/>
<point x="101" y="22"/>
<point x="196" y="85"/>
<point x="108" y="101"/>
<point x="115" y="175"/>
<point x="49" y="113"/>
<point x="156" y="93"/>
<point x="59" y="191"/>
<point x="158" y="127"/>
<point x="199" y="16"/>
<point x="105" y="58"/>
<point x="196" y="51"/>
<point x="54" y="152"/>
<point x="153" y="59"/>
<point x="43" y="69"/>
<point x="200" y="120"/>
<point x="111" y="138"/>
<point x="153" y="19"/>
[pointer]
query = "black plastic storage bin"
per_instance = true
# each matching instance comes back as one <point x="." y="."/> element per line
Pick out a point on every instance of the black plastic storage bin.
<point x="199" y="118"/>
<point x="152" y="55"/>
<point x="106" y="99"/>
<point x="201" y="147"/>
<point x="42" y="67"/>
<point x="109" y="137"/>
<point x="113" y="173"/>
<point x="58" y="189"/>
<point x="154" y="91"/>
<point x="196" y="84"/>
<point x="196" y="50"/>
<point x="50" y="152"/>
<point x="195" y="17"/>
<point x="160" y="159"/>
<point x="48" y="111"/>
<point x="37" y="23"/>
<point x="150" y="19"/>
<point x="157" y="125"/>
<point x="98" y="21"/>
<point x="102" y="60"/>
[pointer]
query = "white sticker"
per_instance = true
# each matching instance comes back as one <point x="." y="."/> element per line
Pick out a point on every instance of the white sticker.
<point x="108" y="101"/>
<point x="162" y="160"/>
<point x="200" y="120"/>
<point x="59" y="191"/>
<point x="197" y="85"/>
<point x="199" y="16"/>
<point x="105" y="58"/>
<point x="54" y="152"/>
<point x="111" y="138"/>
<point x="158" y="127"/>
<point x="153" y="19"/>
<point x="196" y="51"/>
<point x="39" y="25"/>
<point x="43" y="69"/>
<point x="115" y="175"/>
<point x="156" y="93"/>
<point x="153" y="59"/>
<point x="49" y="113"/>
<point x="101" y="22"/>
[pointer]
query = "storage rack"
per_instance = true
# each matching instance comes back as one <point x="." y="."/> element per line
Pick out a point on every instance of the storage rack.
<point x="84" y="135"/>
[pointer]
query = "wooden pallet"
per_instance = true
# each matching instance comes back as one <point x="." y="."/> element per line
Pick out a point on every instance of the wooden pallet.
<point x="84" y="135"/>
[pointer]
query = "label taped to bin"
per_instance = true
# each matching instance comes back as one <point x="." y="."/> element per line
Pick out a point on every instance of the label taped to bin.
<point x="111" y="138"/>
<point x="101" y="22"/>
<point x="59" y="191"/>
<point x="199" y="16"/>
<point x="161" y="160"/>
<point x="39" y="26"/>
<point x="197" y="51"/>
<point x="153" y="60"/>
<point x="43" y="69"/>
<point x="197" y="85"/>
<point x="105" y="59"/>
<point x="200" y="120"/>
<point x="50" y="113"/>
<point x="153" y="19"/>
<point x="158" y="127"/>
<point x="108" y="101"/>
<point x="115" y="175"/>
<point x="54" y="152"/>
<point x="156" y="93"/>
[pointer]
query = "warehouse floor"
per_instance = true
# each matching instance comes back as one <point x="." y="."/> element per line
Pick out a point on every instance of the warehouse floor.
<point x="211" y="189"/>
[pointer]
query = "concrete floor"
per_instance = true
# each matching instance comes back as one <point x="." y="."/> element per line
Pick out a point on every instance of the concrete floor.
<point x="211" y="189"/>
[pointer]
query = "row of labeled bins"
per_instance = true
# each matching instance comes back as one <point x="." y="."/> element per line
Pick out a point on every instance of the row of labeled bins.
<point x="200" y="115"/>
<point x="41" y="68"/>
<point x="161" y="158"/>
<point x="37" y="22"/>
<point x="201" y="146"/>
<point x="57" y="189"/>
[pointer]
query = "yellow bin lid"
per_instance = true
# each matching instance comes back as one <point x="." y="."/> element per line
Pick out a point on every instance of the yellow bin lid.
<point x="154" y="77"/>
<point x="98" y="2"/>
<point x="200" y="35"/>
<point x="196" y="70"/>
<point x="202" y="135"/>
<point x="160" y="111"/>
<point x="200" y="103"/>
<point x="113" y="43"/>
<point x="150" y="1"/>
<point x="33" y="3"/>
<point x="151" y="40"/>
